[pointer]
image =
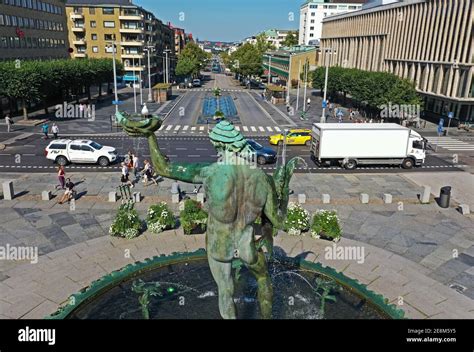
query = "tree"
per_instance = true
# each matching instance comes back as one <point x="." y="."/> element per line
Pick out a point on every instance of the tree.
<point x="192" y="53"/>
<point x="291" y="39"/>
<point x="262" y="44"/>
<point x="186" y="66"/>
<point x="247" y="60"/>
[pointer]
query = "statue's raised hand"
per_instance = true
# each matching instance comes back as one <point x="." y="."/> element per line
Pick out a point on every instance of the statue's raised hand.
<point x="135" y="127"/>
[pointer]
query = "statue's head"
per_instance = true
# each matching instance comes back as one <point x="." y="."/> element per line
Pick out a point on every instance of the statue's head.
<point x="137" y="126"/>
<point x="225" y="138"/>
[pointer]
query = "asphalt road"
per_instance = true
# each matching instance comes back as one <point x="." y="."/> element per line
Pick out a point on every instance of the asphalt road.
<point x="28" y="155"/>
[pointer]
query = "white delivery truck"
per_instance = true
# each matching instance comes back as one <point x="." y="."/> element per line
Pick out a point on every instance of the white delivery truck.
<point x="352" y="144"/>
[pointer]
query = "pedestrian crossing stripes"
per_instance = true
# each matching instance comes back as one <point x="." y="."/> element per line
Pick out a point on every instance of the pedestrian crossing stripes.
<point x="450" y="143"/>
<point x="202" y="129"/>
<point x="222" y="90"/>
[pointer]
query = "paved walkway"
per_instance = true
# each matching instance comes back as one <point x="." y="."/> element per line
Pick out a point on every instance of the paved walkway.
<point x="413" y="252"/>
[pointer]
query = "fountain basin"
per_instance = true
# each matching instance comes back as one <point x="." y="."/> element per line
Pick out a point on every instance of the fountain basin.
<point x="180" y="286"/>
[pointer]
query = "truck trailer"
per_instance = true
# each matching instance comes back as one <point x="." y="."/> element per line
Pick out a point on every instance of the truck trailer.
<point x="353" y="144"/>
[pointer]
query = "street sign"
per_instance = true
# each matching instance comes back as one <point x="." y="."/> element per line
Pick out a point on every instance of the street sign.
<point x="325" y="104"/>
<point x="450" y="115"/>
<point x="441" y="122"/>
<point x="117" y="102"/>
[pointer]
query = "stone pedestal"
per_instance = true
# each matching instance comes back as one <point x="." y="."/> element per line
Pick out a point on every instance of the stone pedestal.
<point x="387" y="198"/>
<point x="8" y="193"/>
<point x="302" y="198"/>
<point x="46" y="195"/>
<point x="326" y="198"/>
<point x="425" y="196"/>
<point x="175" y="198"/>
<point x="112" y="196"/>
<point x="200" y="198"/>
<point x="364" y="198"/>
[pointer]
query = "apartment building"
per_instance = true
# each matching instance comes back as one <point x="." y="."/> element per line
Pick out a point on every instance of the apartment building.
<point x="427" y="41"/>
<point x="93" y="26"/>
<point x="33" y="29"/>
<point x="312" y="12"/>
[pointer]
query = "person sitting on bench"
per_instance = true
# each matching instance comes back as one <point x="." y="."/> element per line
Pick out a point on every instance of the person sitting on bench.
<point x="69" y="193"/>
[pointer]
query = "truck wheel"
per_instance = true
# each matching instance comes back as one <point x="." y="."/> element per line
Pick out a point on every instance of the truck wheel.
<point x="261" y="160"/>
<point x="103" y="161"/>
<point x="408" y="163"/>
<point x="351" y="164"/>
<point x="280" y="143"/>
<point x="308" y="143"/>
<point x="61" y="160"/>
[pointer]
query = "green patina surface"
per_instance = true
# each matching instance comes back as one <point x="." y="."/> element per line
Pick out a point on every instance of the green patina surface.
<point x="130" y="271"/>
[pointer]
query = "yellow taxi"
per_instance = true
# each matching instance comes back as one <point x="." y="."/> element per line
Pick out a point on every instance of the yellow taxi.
<point x="294" y="137"/>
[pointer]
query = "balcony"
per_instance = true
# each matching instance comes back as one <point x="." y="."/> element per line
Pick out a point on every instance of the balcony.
<point x="131" y="17"/>
<point x="76" y="16"/>
<point x="132" y="56"/>
<point x="131" y="30"/>
<point x="132" y="42"/>
<point x="78" y="29"/>
<point x="80" y="55"/>
<point x="81" y="41"/>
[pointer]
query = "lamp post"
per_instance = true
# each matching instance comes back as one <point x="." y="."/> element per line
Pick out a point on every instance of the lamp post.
<point x="134" y="88"/>
<point x="167" y="78"/>
<point x="306" y="66"/>
<point x="115" y="74"/>
<point x="289" y="82"/>
<point x="298" y="89"/>
<point x="140" y="78"/>
<point x="269" y="68"/>
<point x="149" y="49"/>
<point x="326" y="50"/>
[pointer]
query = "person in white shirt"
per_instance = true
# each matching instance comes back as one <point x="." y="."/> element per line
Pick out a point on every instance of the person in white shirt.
<point x="124" y="176"/>
<point x="9" y="123"/>
<point x="148" y="173"/>
<point x="136" y="166"/>
<point x="55" y="130"/>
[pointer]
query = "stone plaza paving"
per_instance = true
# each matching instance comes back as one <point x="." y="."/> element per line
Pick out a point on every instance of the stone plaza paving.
<point x="413" y="252"/>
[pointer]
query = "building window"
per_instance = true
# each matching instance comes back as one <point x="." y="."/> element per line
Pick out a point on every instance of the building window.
<point x="313" y="13"/>
<point x="312" y="21"/>
<point x="109" y="24"/>
<point x="108" y="37"/>
<point x="91" y="10"/>
<point x="95" y="49"/>
<point x="2" y="21"/>
<point x="93" y="24"/>
<point x="311" y="34"/>
<point x="311" y="28"/>
<point x="108" y="11"/>
<point x="94" y="36"/>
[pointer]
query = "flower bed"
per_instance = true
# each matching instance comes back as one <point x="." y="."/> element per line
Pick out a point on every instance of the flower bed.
<point x="193" y="218"/>
<point x="160" y="218"/>
<point x="127" y="223"/>
<point x="297" y="219"/>
<point x="326" y="225"/>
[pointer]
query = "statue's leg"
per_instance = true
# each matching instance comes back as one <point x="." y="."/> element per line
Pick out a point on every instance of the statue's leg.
<point x="264" y="285"/>
<point x="222" y="273"/>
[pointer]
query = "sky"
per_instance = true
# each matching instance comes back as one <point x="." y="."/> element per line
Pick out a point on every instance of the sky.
<point x="225" y="20"/>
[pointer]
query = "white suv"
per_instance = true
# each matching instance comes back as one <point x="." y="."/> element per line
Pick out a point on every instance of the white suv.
<point x="64" y="151"/>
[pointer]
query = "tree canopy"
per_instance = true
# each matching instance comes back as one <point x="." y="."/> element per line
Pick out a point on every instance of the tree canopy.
<point x="191" y="60"/>
<point x="291" y="39"/>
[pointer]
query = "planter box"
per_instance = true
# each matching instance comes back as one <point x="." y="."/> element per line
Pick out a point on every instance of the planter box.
<point x="197" y="230"/>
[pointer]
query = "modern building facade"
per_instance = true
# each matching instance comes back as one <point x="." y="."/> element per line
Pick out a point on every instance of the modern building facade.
<point x="276" y="37"/>
<point x="288" y="63"/>
<point x="33" y="29"/>
<point x="427" y="41"/>
<point x="94" y="25"/>
<point x="312" y="12"/>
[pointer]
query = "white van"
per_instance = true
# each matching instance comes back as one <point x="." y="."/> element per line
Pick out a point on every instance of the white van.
<point x="64" y="151"/>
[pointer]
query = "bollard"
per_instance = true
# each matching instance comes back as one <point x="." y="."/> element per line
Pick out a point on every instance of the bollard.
<point x="8" y="193"/>
<point x="444" y="197"/>
<point x="175" y="198"/>
<point x="387" y="198"/>
<point x="137" y="197"/>
<point x="112" y="196"/>
<point x="425" y="197"/>
<point x="46" y="195"/>
<point x="326" y="198"/>
<point x="464" y="209"/>
<point x="301" y="198"/>
<point x="364" y="198"/>
<point x="200" y="198"/>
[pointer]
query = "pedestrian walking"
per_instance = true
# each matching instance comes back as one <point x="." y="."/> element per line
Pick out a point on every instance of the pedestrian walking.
<point x="55" y="130"/>
<point x="61" y="177"/>
<point x="45" y="129"/>
<point x="308" y="102"/>
<point x="69" y="193"/>
<point x="9" y="122"/>
<point x="124" y="176"/>
<point x="148" y="173"/>
<point x="81" y="109"/>
<point x="136" y="166"/>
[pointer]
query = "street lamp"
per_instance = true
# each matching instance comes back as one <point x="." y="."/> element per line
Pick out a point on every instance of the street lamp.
<point x="140" y="75"/>
<point x="269" y="68"/>
<point x="332" y="51"/>
<point x="289" y="81"/>
<point x="113" y="43"/>
<point x="305" y="73"/>
<point x="149" y="49"/>
<point x="167" y="80"/>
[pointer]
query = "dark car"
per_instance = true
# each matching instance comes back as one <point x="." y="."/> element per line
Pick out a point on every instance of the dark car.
<point x="265" y="155"/>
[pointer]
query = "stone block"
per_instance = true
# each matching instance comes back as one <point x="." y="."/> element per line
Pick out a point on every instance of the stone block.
<point x="200" y="197"/>
<point x="387" y="198"/>
<point x="425" y="196"/>
<point x="364" y="198"/>
<point x="464" y="209"/>
<point x="326" y="198"/>
<point x="8" y="192"/>
<point x="112" y="196"/>
<point x="301" y="198"/>
<point x="175" y="198"/>
<point x="137" y="197"/>
<point x="46" y="195"/>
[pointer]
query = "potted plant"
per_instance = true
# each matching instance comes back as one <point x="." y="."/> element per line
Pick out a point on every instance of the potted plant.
<point x="193" y="217"/>
<point x="297" y="219"/>
<point x="326" y="225"/>
<point x="160" y="218"/>
<point x="127" y="223"/>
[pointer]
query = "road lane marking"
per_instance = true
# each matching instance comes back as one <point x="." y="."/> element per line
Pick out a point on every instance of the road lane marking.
<point x="261" y="129"/>
<point x="169" y="127"/>
<point x="201" y="128"/>
<point x="237" y="128"/>
<point x="269" y="129"/>
<point x="193" y="128"/>
<point x="177" y="127"/>
<point x="161" y="127"/>
<point x="253" y="128"/>
<point x="277" y="129"/>
<point x="185" y="128"/>
<point x="245" y="128"/>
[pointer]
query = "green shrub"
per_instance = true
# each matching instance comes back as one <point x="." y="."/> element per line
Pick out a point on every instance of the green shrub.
<point x="127" y="223"/>
<point x="326" y="224"/>
<point x="193" y="216"/>
<point x="297" y="219"/>
<point x="160" y="218"/>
